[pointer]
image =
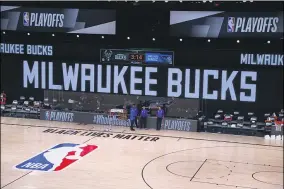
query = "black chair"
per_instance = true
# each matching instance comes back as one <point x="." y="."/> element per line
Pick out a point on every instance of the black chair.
<point x="22" y="99"/>
<point x="15" y="103"/>
<point x="219" y="115"/>
<point x="235" y="115"/>
<point x="266" y="115"/>
<point x="36" y="104"/>
<point x="26" y="103"/>
<point x="250" y="114"/>
<point x="281" y="114"/>
<point x="46" y="106"/>
<point x="54" y="102"/>
<point x="253" y="120"/>
<point x="27" y="113"/>
<point x="31" y="101"/>
<point x="13" y="111"/>
<point x="240" y="120"/>
<point x="2" y="108"/>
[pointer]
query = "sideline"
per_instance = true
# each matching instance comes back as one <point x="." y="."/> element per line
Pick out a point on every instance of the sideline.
<point x="165" y="136"/>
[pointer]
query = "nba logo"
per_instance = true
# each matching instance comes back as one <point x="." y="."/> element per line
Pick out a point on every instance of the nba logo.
<point x="47" y="115"/>
<point x="26" y="19"/>
<point x="57" y="158"/>
<point x="231" y="24"/>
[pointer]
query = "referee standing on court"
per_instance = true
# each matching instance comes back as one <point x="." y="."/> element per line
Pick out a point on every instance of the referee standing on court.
<point x="133" y="117"/>
<point x="143" y="118"/>
<point x="160" y="116"/>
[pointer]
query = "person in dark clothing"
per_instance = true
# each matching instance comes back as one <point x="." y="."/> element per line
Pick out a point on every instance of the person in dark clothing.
<point x="139" y="107"/>
<point x="143" y="118"/>
<point x="133" y="117"/>
<point x="160" y="116"/>
<point x="165" y="109"/>
<point x="137" y="116"/>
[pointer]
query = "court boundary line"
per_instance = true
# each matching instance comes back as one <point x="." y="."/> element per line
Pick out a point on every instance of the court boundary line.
<point x="17" y="179"/>
<point x="133" y="133"/>
<point x="236" y="186"/>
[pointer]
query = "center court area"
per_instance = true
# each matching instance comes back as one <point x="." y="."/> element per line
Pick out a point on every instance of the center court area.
<point x="143" y="159"/>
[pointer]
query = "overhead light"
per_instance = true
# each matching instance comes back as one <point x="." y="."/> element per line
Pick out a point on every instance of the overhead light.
<point x="78" y="36"/>
<point x="128" y="38"/>
<point x="238" y="41"/>
<point x="180" y="1"/>
<point x="204" y="1"/>
<point x="166" y="1"/>
<point x="28" y="33"/>
<point x="4" y="32"/>
<point x="53" y="35"/>
<point x="153" y="39"/>
<point x="180" y="39"/>
<point x="210" y="1"/>
<point x="103" y="37"/>
<point x="208" y="40"/>
<point x="153" y="1"/>
<point x="268" y="42"/>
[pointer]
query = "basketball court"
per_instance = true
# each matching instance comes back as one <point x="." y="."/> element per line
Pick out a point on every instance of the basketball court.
<point x="143" y="159"/>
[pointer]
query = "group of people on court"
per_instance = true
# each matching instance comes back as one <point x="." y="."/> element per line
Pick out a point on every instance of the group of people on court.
<point x="135" y="114"/>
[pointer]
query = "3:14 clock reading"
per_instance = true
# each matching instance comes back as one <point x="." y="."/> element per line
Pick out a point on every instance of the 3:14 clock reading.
<point x="139" y="57"/>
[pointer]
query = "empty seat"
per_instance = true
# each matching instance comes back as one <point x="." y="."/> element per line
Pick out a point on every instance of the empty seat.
<point x="15" y="102"/>
<point x="26" y="103"/>
<point x="36" y="104"/>
<point x="253" y="119"/>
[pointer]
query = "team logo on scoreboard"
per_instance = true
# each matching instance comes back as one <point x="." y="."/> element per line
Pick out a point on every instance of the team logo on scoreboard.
<point x="107" y="55"/>
<point x="231" y="24"/>
<point x="26" y="18"/>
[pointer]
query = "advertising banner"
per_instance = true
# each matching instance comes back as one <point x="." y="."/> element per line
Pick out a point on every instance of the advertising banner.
<point x="137" y="56"/>
<point x="62" y="116"/>
<point x="104" y="119"/>
<point x="141" y="80"/>
<point x="180" y="124"/>
<point x="81" y="21"/>
<point x="222" y="24"/>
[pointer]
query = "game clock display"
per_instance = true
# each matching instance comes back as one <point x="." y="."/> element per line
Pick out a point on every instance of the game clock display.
<point x="137" y="57"/>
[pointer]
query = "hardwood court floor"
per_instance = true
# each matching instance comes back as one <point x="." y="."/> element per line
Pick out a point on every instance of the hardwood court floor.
<point x="144" y="159"/>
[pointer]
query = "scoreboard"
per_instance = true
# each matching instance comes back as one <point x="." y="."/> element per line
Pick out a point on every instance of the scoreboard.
<point x="137" y="56"/>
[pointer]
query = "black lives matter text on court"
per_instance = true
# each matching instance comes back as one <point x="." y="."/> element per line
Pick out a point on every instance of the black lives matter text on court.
<point x="142" y="80"/>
